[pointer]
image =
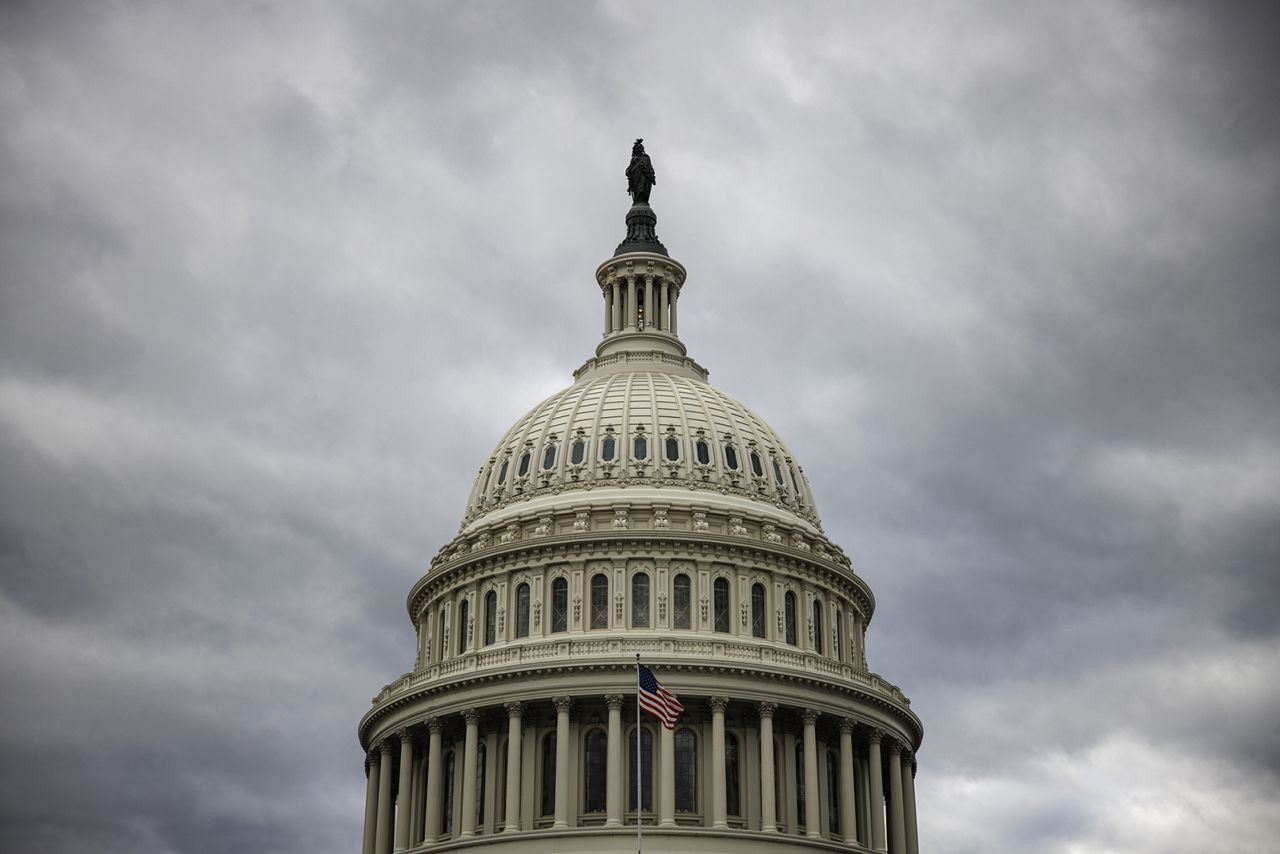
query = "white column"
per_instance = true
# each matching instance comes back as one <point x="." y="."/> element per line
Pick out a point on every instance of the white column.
<point x="435" y="776"/>
<point x="666" y="786"/>
<point x="615" y="305"/>
<point x="664" y="320"/>
<point x="617" y="768"/>
<point x="469" y="751"/>
<point x="768" y="784"/>
<point x="405" y="797"/>
<point x="608" y="310"/>
<point x="382" y="842"/>
<point x="675" y="299"/>
<point x="812" y="818"/>
<point x="848" y="821"/>
<point x="631" y="303"/>
<point x="648" y="301"/>
<point x="875" y="771"/>
<point x="563" y="704"/>
<point x="718" y="817"/>
<point x="371" y="766"/>
<point x="515" y="737"/>
<point x="909" y="801"/>
<point x="897" y="820"/>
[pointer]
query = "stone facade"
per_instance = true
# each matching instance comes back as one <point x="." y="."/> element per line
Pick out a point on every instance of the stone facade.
<point x="640" y="513"/>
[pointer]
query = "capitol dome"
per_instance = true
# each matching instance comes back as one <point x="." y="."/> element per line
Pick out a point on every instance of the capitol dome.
<point x="640" y="515"/>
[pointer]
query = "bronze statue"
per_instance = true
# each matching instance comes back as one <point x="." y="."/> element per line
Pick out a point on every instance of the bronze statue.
<point x="640" y="177"/>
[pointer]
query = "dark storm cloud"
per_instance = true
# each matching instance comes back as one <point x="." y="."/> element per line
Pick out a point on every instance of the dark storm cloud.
<point x="273" y="282"/>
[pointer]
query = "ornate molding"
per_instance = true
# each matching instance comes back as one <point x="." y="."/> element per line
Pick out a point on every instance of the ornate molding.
<point x="562" y="704"/>
<point x="766" y="710"/>
<point x="718" y="704"/>
<point x="514" y="709"/>
<point x="614" y="701"/>
<point x="472" y="716"/>
<point x="810" y="716"/>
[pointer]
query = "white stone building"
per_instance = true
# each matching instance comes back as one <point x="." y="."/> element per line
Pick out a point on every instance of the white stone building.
<point x="640" y="512"/>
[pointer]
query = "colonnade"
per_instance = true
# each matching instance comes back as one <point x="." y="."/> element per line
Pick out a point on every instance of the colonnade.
<point x="867" y="813"/>
<point x="638" y="302"/>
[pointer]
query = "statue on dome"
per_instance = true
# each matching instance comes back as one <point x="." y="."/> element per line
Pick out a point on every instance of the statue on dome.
<point x="640" y="177"/>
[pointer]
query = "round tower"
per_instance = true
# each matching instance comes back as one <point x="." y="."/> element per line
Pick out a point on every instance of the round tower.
<point x="640" y="512"/>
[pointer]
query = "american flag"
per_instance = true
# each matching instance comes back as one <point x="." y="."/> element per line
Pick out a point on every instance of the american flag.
<point x="658" y="701"/>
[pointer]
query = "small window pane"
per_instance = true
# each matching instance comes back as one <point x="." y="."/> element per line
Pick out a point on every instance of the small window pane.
<point x="731" y="457"/>
<point x="757" y="610"/>
<point x="646" y="771"/>
<point x="607" y="449"/>
<point x="800" y="792"/>
<point x="833" y="794"/>
<point x="559" y="605"/>
<point x="641" y="448"/>
<point x="522" y="611"/>
<point x="791" y="618"/>
<point x="549" y="774"/>
<point x="481" y="750"/>
<point x="462" y="626"/>
<point x="817" y="627"/>
<point x="448" y="792"/>
<point x="524" y="465"/>
<point x="777" y="472"/>
<point x="490" y="617"/>
<point x="686" y="771"/>
<point x="733" y="803"/>
<point x="640" y="601"/>
<point x="680" y="613"/>
<point x="757" y="467"/>
<point x="596" y="770"/>
<point x="704" y="452"/>
<point x="502" y="470"/>
<point x="673" y="448"/>
<point x="600" y="602"/>
<point x="722" y="604"/>
<point x="549" y="457"/>
<point x="578" y="453"/>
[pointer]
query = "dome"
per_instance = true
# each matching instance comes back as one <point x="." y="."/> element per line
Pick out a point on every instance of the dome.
<point x="647" y="430"/>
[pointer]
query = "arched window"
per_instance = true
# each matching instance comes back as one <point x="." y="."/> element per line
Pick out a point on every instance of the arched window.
<point x="522" y="611"/>
<point x="646" y="770"/>
<point x="596" y="770"/>
<point x="731" y="457"/>
<point x="702" y="451"/>
<point x="608" y="447"/>
<point x="640" y="447"/>
<point x="757" y="467"/>
<point x="548" y="457"/>
<point x="441" y="623"/>
<point x="817" y="626"/>
<point x="640" y="601"/>
<point x="686" y="770"/>
<point x="757" y="610"/>
<point x="549" y="774"/>
<point x="833" y="794"/>
<point x="673" y="448"/>
<point x="490" y="617"/>
<point x="448" y="792"/>
<point x="721" y="604"/>
<point x="600" y="601"/>
<point x="732" y="799"/>
<point x="800" y="792"/>
<point x="481" y="752"/>
<point x="680" y="603"/>
<point x="523" y="468"/>
<point x="790" y="616"/>
<point x="463" y="607"/>
<point x="559" y="605"/>
<point x="839" y="650"/>
<point x="777" y="471"/>
<point x="502" y="470"/>
<point x="579" y="452"/>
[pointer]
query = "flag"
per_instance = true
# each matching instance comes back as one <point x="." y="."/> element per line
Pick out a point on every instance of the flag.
<point x="656" y="700"/>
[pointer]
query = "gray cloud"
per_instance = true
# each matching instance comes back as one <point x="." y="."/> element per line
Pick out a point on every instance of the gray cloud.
<point x="273" y="283"/>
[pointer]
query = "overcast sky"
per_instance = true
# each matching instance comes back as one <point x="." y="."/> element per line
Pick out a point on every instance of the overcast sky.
<point x="275" y="279"/>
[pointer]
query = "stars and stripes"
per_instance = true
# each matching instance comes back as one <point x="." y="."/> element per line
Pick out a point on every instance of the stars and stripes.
<point x="656" y="700"/>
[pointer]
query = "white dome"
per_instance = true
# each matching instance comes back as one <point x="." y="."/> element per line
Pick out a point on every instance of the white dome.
<point x="721" y="448"/>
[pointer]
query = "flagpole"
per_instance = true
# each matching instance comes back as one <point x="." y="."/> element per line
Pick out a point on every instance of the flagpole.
<point x="639" y="787"/>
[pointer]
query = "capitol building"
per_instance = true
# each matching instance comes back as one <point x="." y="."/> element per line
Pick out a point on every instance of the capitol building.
<point x="640" y="512"/>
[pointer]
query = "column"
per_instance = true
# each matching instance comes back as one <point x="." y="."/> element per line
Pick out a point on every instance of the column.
<point x="403" y="808"/>
<point x="812" y="819"/>
<point x="472" y="717"/>
<point x="909" y="801"/>
<point x="515" y="737"/>
<point x="563" y="704"/>
<point x="371" y="767"/>
<point x="435" y="773"/>
<point x="897" y="820"/>
<point x="675" y="298"/>
<point x="768" y="785"/>
<point x="617" y="768"/>
<point x="615" y="305"/>
<point x="608" y="311"/>
<point x="718" y="817"/>
<point x="648" y="301"/>
<point x="875" y="771"/>
<point x="666" y="786"/>
<point x="631" y="303"/>
<point x="382" y="842"/>
<point x="664" y="321"/>
<point x="848" y="823"/>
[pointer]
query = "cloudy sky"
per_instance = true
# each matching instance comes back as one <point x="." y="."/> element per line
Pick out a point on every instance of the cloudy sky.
<point x="273" y="280"/>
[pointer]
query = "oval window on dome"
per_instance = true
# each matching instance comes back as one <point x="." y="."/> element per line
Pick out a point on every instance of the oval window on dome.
<point x="777" y="471"/>
<point x="673" y="448"/>
<point x="523" y="468"/>
<point x="640" y="448"/>
<point x="703" y="451"/>
<point x="731" y="457"/>
<point x="578" y="452"/>
<point x="549" y="458"/>
<point x="757" y="466"/>
<point x="502" y="470"/>
<point x="607" y="449"/>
